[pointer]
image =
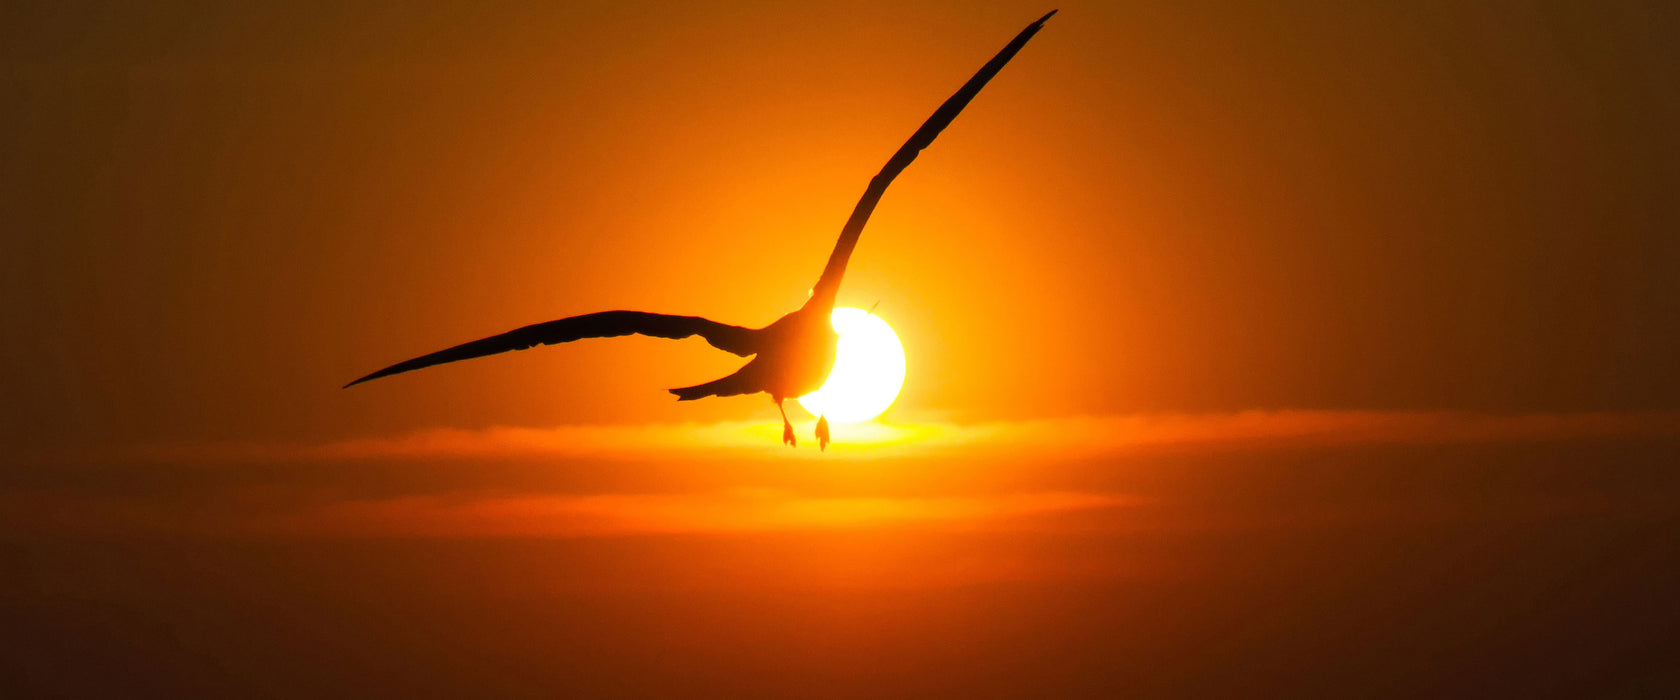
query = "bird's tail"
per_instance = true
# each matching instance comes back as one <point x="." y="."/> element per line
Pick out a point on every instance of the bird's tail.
<point x="732" y="385"/>
<point x="690" y="393"/>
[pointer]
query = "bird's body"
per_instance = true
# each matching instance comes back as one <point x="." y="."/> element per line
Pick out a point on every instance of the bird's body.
<point x="797" y="352"/>
<point x="792" y="356"/>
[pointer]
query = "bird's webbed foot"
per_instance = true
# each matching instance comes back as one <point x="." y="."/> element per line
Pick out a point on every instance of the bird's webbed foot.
<point x="787" y="435"/>
<point x="822" y="432"/>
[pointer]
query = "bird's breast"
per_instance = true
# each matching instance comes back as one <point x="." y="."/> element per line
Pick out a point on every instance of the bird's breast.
<point x="803" y="355"/>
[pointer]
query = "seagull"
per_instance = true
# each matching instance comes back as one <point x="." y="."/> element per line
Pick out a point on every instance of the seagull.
<point x="792" y="356"/>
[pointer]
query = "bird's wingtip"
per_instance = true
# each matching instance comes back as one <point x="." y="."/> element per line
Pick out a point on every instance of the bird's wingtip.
<point x="375" y="375"/>
<point x="1047" y="16"/>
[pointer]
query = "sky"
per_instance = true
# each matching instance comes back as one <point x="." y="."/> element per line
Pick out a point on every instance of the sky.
<point x="1269" y="347"/>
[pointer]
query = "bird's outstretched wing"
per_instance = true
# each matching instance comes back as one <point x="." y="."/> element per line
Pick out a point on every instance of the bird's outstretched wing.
<point x="829" y="284"/>
<point x="606" y="324"/>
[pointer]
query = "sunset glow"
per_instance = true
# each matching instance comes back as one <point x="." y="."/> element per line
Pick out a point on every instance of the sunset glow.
<point x="444" y="349"/>
<point x="868" y="370"/>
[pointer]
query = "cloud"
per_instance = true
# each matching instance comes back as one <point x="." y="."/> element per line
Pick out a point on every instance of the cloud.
<point x="732" y="511"/>
<point x="592" y="481"/>
<point x="1060" y="437"/>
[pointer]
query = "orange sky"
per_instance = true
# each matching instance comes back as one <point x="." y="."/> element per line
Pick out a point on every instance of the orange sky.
<point x="219" y="215"/>
<point x="1275" y="348"/>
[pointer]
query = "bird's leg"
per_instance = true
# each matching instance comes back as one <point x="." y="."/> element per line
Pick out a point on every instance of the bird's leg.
<point x="822" y="432"/>
<point x="787" y="428"/>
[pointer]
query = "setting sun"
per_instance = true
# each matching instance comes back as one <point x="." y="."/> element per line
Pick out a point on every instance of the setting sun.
<point x="868" y="369"/>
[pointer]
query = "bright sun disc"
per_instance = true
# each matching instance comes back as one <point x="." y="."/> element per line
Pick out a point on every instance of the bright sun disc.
<point x="868" y="369"/>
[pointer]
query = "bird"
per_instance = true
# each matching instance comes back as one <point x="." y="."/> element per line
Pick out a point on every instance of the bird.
<point x="792" y="356"/>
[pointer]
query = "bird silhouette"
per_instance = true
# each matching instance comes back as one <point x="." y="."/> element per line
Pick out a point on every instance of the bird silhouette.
<point x="793" y="355"/>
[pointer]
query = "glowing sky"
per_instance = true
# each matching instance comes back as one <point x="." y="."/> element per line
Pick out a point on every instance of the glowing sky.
<point x="1297" y="348"/>
<point x="218" y="214"/>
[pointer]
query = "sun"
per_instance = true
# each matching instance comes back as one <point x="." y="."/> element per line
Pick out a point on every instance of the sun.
<point x="868" y="369"/>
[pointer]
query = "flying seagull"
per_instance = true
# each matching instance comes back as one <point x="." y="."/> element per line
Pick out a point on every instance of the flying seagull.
<point x="794" y="354"/>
